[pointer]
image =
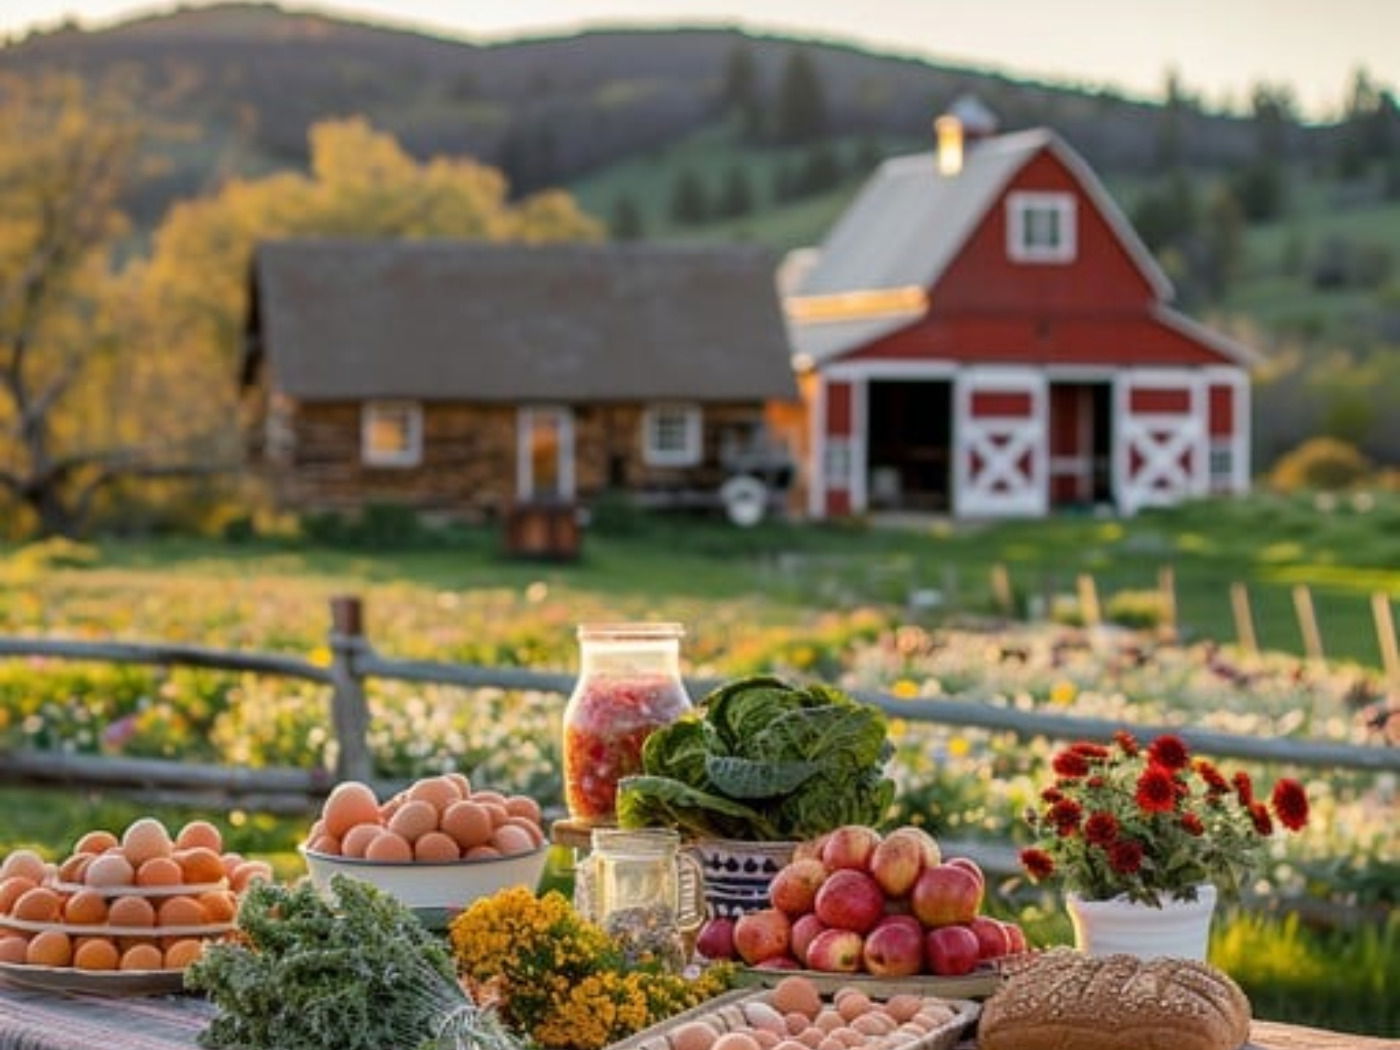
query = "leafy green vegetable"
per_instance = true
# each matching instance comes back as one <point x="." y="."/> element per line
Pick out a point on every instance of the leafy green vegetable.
<point x="764" y="760"/>
<point x="361" y="976"/>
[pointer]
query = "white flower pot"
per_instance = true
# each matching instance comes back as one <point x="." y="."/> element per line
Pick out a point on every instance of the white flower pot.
<point x="1178" y="928"/>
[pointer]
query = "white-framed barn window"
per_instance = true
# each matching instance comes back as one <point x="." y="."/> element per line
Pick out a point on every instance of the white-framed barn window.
<point x="1222" y="465"/>
<point x="836" y="463"/>
<point x="1040" y="227"/>
<point x="672" y="435"/>
<point x="391" y="433"/>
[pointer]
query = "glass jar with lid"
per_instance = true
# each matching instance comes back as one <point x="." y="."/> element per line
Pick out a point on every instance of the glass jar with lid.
<point x="629" y="685"/>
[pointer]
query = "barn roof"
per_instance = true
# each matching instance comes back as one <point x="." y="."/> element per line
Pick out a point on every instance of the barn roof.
<point x="342" y="319"/>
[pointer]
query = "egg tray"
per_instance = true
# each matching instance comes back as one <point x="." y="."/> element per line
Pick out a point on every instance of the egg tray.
<point x="979" y="984"/>
<point x="69" y="980"/>
<point x="179" y="890"/>
<point x="211" y="929"/>
<point x="944" y="1037"/>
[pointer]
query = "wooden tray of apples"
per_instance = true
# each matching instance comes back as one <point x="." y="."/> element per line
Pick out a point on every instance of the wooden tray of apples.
<point x="855" y="906"/>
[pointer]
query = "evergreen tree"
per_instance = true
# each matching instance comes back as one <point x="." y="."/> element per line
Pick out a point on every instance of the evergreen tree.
<point x="784" y="183"/>
<point x="821" y="169"/>
<point x="1259" y="187"/>
<point x="626" y="223"/>
<point x="1171" y="128"/>
<point x="739" y="94"/>
<point x="801" y="106"/>
<point x="736" y="198"/>
<point x="1275" y="112"/>
<point x="1223" y="236"/>
<point x="690" y="205"/>
<point x="1166" y="216"/>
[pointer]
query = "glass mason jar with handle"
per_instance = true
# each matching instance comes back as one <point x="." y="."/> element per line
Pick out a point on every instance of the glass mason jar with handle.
<point x="629" y="685"/>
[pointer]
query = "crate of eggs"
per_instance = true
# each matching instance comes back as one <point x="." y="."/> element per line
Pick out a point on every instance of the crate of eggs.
<point x="795" y="1015"/>
<point x="141" y="904"/>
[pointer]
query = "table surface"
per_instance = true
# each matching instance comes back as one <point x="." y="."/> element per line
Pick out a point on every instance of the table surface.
<point x="43" y="1021"/>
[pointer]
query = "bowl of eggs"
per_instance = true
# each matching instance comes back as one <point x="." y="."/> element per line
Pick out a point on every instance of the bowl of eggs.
<point x="437" y="846"/>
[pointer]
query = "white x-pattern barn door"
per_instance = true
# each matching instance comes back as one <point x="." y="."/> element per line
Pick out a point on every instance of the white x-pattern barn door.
<point x="1160" y="454"/>
<point x="1000" y="456"/>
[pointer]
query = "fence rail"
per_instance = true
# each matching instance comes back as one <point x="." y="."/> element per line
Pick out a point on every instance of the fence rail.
<point x="354" y="660"/>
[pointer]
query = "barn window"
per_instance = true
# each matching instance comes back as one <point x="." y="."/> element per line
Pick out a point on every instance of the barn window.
<point x="671" y="435"/>
<point x="1222" y="466"/>
<point x="391" y="433"/>
<point x="1040" y="227"/>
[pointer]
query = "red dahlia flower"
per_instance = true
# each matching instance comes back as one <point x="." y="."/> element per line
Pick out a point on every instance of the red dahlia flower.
<point x="1125" y="856"/>
<point x="1051" y="794"/>
<point x="1291" y="804"/>
<point x="1214" y="779"/>
<point x="1089" y="751"/>
<point x="1101" y="828"/>
<point x="1244" y="788"/>
<point x="1127" y="743"/>
<point x="1065" y="815"/>
<point x="1038" y="863"/>
<point x="1070" y="764"/>
<point x="1192" y="824"/>
<point x="1156" y="790"/>
<point x="1168" y="752"/>
<point x="1263" y="823"/>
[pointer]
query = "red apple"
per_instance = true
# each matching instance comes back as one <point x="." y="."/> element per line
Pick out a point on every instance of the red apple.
<point x="779" y="962"/>
<point x="894" y="949"/>
<point x="907" y="921"/>
<point x="1015" y="937"/>
<point x="835" y="951"/>
<point x="946" y="894"/>
<point x="951" y="951"/>
<point x="812" y="849"/>
<point x="794" y="889"/>
<point x="850" y="847"/>
<point x="804" y="931"/>
<point x="928" y="845"/>
<point x="850" y="900"/>
<point x="896" y="864"/>
<point x="971" y="867"/>
<point x="716" y="940"/>
<point x="993" y="940"/>
<point x="762" y="935"/>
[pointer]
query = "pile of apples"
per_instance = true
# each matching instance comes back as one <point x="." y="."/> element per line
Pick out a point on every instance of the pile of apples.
<point x="853" y="901"/>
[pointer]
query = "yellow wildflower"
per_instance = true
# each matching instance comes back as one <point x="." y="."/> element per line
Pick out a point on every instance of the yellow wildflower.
<point x="1063" y="693"/>
<point x="959" y="746"/>
<point x="905" y="689"/>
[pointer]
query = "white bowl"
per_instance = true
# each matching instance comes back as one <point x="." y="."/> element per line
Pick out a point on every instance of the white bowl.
<point x="440" y="886"/>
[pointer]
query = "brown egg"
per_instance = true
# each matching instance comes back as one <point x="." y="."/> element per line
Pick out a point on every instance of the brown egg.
<point x="326" y="844"/>
<point x="510" y="840"/>
<point x="765" y="1039"/>
<point x="85" y="908"/>
<point x="811" y="1037"/>
<point x="109" y="870"/>
<point x="125" y="944"/>
<point x="736" y="1041"/>
<point x="219" y="905"/>
<point x="464" y="786"/>
<point x="435" y="846"/>
<point x="528" y="826"/>
<point x="852" y="1006"/>
<point x="523" y="806"/>
<point x="142" y="957"/>
<point x="468" y="823"/>
<point x="72" y="869"/>
<point x="349" y="804"/>
<point x="144" y="839"/>
<point x="828" y="1021"/>
<point x="12" y="889"/>
<point x="38" y="905"/>
<point x="181" y="911"/>
<point x="902" y="1007"/>
<point x="481" y="853"/>
<point x="14" y="948"/>
<point x="498" y="813"/>
<point x="388" y="847"/>
<point x="490" y="798"/>
<point x="131" y="911"/>
<point x="692" y="1036"/>
<point x="96" y="842"/>
<point x="797" y="995"/>
<point x="200" y="865"/>
<point x="182" y="953"/>
<point x="200" y="833"/>
<point x="230" y="861"/>
<point x="245" y="873"/>
<point x="50" y="948"/>
<point x="438" y="792"/>
<point x="387" y="811"/>
<point x="415" y="818"/>
<point x="26" y="863"/>
<point x="96" y="953"/>
<point x="358" y="838"/>
<point x="159" y="871"/>
<point x="872" y="1024"/>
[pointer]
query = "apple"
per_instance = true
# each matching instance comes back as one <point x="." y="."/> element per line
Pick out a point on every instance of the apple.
<point x="907" y="921"/>
<point x="971" y="867"/>
<point x="804" y="931"/>
<point x="894" y="949"/>
<point x="928" y="845"/>
<point x="794" y="889"/>
<point x="779" y="962"/>
<point x="951" y="950"/>
<point x="850" y="900"/>
<point x="946" y="894"/>
<point x="811" y="849"/>
<point x="850" y="847"/>
<point x="993" y="940"/>
<point x="896" y="864"/>
<point x="1015" y="937"/>
<point x="836" y="951"/>
<point x="762" y="935"/>
<point x="716" y="940"/>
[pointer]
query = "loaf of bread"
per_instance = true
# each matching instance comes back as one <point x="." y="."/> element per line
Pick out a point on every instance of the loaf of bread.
<point x="1063" y="1000"/>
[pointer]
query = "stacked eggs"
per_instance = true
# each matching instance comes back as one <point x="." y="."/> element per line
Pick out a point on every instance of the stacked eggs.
<point x="436" y="820"/>
<point x="141" y="902"/>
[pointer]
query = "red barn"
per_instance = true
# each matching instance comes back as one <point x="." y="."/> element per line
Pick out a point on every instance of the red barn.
<point x="982" y="332"/>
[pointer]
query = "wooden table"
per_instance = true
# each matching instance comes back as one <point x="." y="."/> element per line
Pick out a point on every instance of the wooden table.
<point x="43" y="1021"/>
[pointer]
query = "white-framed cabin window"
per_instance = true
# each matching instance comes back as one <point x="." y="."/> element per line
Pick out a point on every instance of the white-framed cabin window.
<point x="672" y="435"/>
<point x="1041" y="227"/>
<point x="391" y="433"/>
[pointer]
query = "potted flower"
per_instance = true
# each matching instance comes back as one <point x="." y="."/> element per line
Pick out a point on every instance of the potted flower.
<point x="1144" y="839"/>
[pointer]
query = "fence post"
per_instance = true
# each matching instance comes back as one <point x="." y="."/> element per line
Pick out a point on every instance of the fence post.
<point x="1166" y="583"/>
<point x="349" y="710"/>
<point x="1089" y="608"/>
<point x="1307" y="622"/>
<point x="1385" y="637"/>
<point x="1244" y="618"/>
<point x="1001" y="590"/>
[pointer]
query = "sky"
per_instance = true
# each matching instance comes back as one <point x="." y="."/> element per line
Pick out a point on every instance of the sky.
<point x="1220" y="47"/>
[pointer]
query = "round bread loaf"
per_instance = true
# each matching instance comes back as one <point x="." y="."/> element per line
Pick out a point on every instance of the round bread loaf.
<point x="1063" y="1000"/>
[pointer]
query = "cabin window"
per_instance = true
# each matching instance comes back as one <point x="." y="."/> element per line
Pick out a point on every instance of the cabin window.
<point x="391" y="433"/>
<point x="1040" y="227"/>
<point x="1222" y="466"/>
<point x="671" y="435"/>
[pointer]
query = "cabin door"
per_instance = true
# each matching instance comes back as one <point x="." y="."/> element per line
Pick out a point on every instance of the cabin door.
<point x="544" y="455"/>
<point x="999" y="436"/>
<point x="1160" y="449"/>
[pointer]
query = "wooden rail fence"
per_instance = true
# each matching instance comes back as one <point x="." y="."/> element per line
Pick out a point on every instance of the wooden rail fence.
<point x="354" y="660"/>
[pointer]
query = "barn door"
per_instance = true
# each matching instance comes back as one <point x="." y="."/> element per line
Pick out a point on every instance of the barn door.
<point x="1160" y="453"/>
<point x="999" y="438"/>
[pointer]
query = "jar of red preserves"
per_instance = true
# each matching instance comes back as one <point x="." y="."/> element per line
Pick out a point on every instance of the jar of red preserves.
<point x="629" y="684"/>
